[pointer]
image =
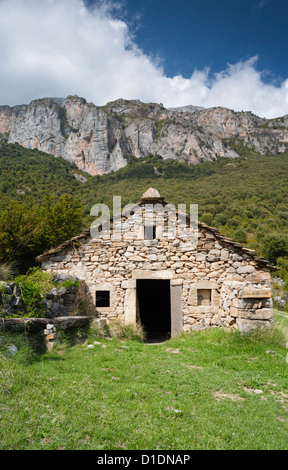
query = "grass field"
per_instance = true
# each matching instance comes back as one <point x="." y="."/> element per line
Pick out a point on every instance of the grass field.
<point x="208" y="390"/>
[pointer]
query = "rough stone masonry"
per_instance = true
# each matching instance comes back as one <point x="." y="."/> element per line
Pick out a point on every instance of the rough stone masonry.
<point x="213" y="283"/>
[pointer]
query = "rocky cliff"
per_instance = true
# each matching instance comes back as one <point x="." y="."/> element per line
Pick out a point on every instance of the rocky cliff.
<point x="99" y="139"/>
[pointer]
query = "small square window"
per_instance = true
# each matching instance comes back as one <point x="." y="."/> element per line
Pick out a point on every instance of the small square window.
<point x="150" y="232"/>
<point x="102" y="298"/>
<point x="204" y="296"/>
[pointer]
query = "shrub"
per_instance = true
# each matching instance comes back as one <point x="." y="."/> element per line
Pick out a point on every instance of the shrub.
<point x="221" y="218"/>
<point x="7" y="271"/>
<point x="118" y="329"/>
<point x="240" y="236"/>
<point x="207" y="218"/>
<point x="275" y="246"/>
<point x="33" y="287"/>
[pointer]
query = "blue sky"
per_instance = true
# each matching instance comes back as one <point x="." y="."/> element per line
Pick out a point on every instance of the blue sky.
<point x="194" y="34"/>
<point x="230" y="53"/>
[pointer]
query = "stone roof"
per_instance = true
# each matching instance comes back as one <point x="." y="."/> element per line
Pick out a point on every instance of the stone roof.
<point x="153" y="195"/>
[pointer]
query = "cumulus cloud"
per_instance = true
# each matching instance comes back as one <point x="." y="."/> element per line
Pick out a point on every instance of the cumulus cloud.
<point x="60" y="47"/>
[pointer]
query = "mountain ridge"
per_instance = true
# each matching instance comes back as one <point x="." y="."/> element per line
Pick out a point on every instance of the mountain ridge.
<point x="100" y="139"/>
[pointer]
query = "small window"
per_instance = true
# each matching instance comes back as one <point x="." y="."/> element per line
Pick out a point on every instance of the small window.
<point x="204" y="296"/>
<point x="150" y="232"/>
<point x="102" y="298"/>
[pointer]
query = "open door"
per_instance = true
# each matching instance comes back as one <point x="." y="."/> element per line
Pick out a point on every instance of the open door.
<point x="154" y="308"/>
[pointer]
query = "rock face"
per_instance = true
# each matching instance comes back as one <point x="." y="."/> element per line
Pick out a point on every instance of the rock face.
<point x="99" y="139"/>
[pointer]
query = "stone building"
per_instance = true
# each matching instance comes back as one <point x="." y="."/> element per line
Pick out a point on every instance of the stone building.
<point x="167" y="272"/>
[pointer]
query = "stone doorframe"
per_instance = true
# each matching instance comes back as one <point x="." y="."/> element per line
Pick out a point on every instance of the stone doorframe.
<point x="130" y="307"/>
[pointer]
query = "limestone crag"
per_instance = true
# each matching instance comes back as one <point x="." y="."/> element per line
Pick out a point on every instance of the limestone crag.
<point x="99" y="139"/>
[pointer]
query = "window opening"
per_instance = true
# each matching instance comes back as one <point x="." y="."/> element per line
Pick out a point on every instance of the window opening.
<point x="102" y="298"/>
<point x="150" y="232"/>
<point x="204" y="296"/>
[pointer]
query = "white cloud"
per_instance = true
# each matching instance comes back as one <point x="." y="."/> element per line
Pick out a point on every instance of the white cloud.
<point x="262" y="3"/>
<point x="59" y="47"/>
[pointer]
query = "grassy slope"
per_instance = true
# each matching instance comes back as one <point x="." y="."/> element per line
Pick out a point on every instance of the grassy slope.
<point x="210" y="390"/>
<point x="249" y="193"/>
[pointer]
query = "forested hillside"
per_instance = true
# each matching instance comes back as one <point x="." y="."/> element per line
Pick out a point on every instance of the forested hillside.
<point x="245" y="198"/>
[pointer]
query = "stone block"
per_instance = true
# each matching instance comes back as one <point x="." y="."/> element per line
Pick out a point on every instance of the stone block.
<point x="258" y="314"/>
<point x="58" y="258"/>
<point x="248" y="269"/>
<point x="259" y="277"/>
<point x="129" y="284"/>
<point x="215" y="320"/>
<point x="137" y="258"/>
<point x="213" y="275"/>
<point x="203" y="310"/>
<point x="197" y="327"/>
<point x="224" y="254"/>
<point x="147" y="274"/>
<point x="247" y="326"/>
<point x="193" y="298"/>
<point x="256" y="293"/>
<point x="215" y="253"/>
<point x="236" y="264"/>
<point x="234" y="312"/>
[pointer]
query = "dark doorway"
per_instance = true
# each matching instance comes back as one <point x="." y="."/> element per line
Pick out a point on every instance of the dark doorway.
<point x="154" y="308"/>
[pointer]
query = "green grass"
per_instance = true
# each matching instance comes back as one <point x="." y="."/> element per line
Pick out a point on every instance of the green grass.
<point x="209" y="390"/>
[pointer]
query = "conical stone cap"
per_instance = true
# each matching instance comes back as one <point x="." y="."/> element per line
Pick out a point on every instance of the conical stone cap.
<point x="151" y="194"/>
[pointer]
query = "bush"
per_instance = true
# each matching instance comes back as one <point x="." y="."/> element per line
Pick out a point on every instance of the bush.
<point x="207" y="218"/>
<point x="7" y="271"/>
<point x="117" y="329"/>
<point x="33" y="287"/>
<point x="275" y="246"/>
<point x="240" y="236"/>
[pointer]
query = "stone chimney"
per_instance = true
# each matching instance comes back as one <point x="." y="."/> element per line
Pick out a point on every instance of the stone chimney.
<point x="152" y="195"/>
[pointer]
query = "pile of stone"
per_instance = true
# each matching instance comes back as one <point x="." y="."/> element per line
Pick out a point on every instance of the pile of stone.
<point x="58" y="302"/>
<point x="52" y="337"/>
<point x="11" y="302"/>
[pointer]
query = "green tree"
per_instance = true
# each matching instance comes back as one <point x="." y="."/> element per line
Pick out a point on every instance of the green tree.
<point x="27" y="230"/>
<point x="60" y="221"/>
<point x="275" y="246"/>
<point x="240" y="236"/>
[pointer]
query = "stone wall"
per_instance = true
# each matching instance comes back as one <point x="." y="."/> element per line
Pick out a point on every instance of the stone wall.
<point x="58" y="302"/>
<point x="222" y="284"/>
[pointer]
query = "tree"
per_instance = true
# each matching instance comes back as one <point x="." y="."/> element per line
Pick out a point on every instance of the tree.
<point x="275" y="246"/>
<point x="240" y="236"/>
<point x="27" y="230"/>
